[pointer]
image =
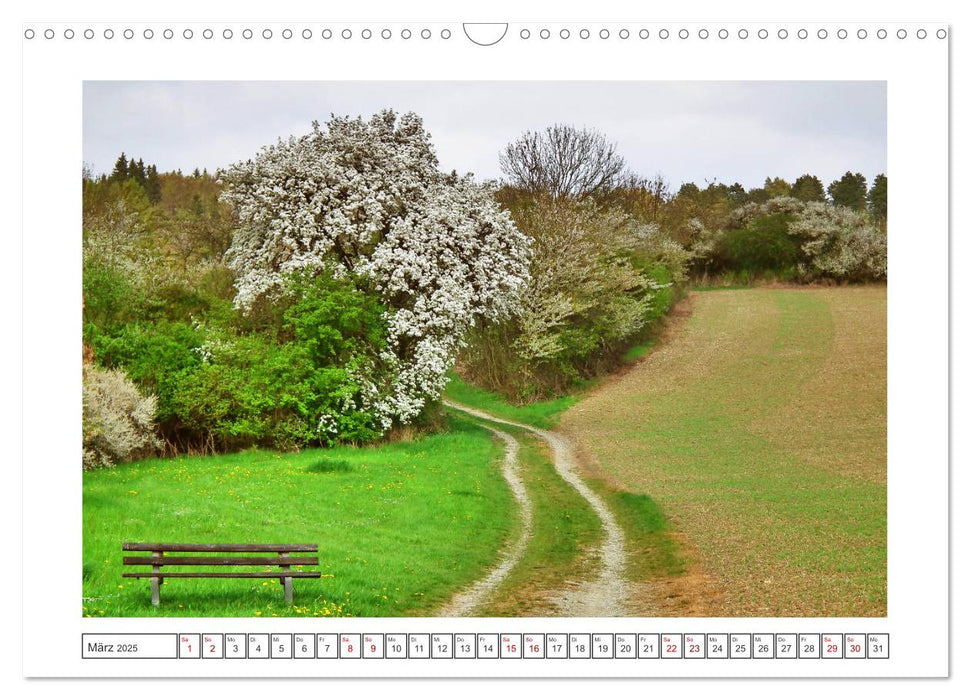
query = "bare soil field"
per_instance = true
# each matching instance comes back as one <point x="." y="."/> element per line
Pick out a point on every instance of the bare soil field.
<point x="759" y="428"/>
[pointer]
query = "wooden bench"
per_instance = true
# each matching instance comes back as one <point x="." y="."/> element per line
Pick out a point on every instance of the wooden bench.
<point x="282" y="558"/>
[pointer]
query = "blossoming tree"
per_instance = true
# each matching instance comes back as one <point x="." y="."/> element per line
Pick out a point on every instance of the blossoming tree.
<point x="365" y="200"/>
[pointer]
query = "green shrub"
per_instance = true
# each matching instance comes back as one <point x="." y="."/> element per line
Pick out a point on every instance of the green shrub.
<point x="333" y="320"/>
<point x="252" y="391"/>
<point x="110" y="299"/>
<point x="764" y="245"/>
<point x="154" y="356"/>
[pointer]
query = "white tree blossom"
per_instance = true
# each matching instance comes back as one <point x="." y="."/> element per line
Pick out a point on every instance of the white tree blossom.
<point x="582" y="274"/>
<point x="367" y="199"/>
<point x="841" y="243"/>
<point x="838" y="242"/>
<point x="741" y="217"/>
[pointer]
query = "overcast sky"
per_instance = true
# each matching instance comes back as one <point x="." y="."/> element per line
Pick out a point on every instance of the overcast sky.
<point x="688" y="131"/>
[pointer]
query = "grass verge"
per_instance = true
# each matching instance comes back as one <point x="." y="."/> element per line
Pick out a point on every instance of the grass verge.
<point x="564" y="527"/>
<point x="542" y="414"/>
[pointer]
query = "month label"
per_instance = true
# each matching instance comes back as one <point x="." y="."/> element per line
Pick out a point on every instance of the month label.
<point x="129" y="646"/>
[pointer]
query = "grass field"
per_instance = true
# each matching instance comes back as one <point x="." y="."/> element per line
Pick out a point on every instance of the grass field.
<point x="400" y="526"/>
<point x="542" y="414"/>
<point x="759" y="429"/>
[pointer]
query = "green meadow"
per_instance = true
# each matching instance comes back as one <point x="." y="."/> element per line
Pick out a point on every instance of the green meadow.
<point x="400" y="526"/>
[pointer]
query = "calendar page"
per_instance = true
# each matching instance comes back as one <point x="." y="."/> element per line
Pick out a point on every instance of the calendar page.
<point x="398" y="347"/>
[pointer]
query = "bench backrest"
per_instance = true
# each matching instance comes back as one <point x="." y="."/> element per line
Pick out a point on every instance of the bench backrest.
<point x="158" y="549"/>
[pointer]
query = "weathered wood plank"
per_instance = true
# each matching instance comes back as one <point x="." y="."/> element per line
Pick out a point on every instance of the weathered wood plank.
<point x="183" y="547"/>
<point x="221" y="574"/>
<point x="221" y="561"/>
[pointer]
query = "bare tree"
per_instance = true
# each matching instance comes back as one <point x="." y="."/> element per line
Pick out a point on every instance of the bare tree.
<point x="660" y="193"/>
<point x="564" y="161"/>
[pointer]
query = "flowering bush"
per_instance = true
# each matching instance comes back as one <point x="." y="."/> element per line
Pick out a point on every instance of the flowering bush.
<point x="741" y="217"/>
<point x="118" y="423"/>
<point x="654" y="248"/>
<point x="366" y="200"/>
<point x="841" y="243"/>
<point x="592" y="288"/>
<point x="818" y="239"/>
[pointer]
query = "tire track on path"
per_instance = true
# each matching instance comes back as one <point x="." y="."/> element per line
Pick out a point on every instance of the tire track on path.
<point x="466" y="602"/>
<point x="605" y="595"/>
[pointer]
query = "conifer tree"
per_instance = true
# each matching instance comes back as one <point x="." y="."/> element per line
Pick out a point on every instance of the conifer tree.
<point x="139" y="173"/>
<point x="849" y="191"/>
<point x="877" y="197"/>
<point x="120" y="173"/>
<point x="809" y="188"/>
<point x="153" y="188"/>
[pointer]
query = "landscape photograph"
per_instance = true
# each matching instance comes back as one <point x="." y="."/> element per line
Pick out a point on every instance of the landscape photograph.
<point x="494" y="349"/>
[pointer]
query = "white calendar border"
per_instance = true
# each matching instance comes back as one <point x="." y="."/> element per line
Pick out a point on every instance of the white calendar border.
<point x="917" y="399"/>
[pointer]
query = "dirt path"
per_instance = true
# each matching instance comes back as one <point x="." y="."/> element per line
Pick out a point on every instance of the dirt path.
<point x="602" y="594"/>
<point x="466" y="602"/>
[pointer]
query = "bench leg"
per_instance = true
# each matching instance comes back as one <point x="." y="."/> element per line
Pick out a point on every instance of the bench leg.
<point x="156" y="580"/>
<point x="288" y="590"/>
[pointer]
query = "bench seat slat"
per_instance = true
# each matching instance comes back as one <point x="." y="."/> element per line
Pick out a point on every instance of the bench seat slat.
<point x="181" y="547"/>
<point x="224" y="574"/>
<point x="220" y="561"/>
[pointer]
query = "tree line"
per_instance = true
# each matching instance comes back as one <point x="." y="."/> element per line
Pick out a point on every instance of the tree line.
<point x="322" y="291"/>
